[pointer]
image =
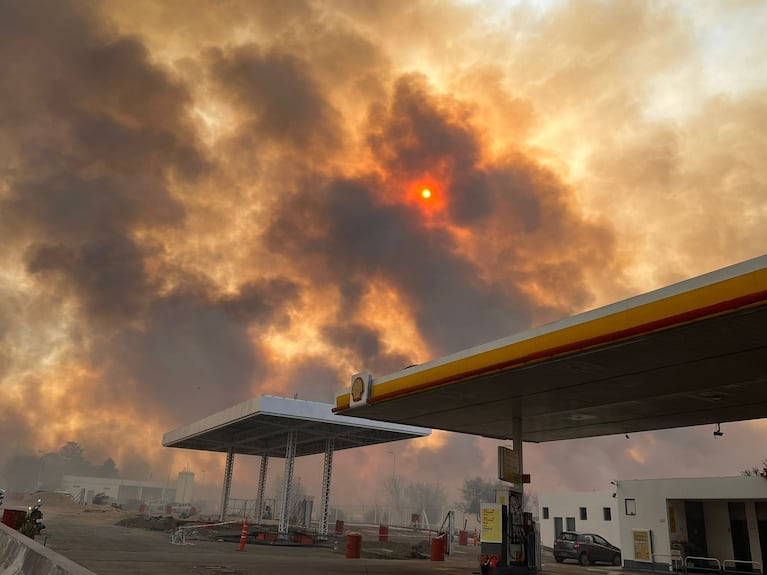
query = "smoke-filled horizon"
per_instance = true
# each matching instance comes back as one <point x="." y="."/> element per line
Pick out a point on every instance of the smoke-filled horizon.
<point x="204" y="202"/>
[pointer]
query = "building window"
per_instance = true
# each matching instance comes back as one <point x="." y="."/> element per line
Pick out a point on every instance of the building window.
<point x="545" y="512"/>
<point x="631" y="506"/>
<point x="607" y="513"/>
<point x="584" y="514"/>
<point x="570" y="523"/>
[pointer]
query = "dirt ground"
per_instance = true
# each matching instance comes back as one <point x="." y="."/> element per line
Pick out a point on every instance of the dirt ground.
<point x="111" y="541"/>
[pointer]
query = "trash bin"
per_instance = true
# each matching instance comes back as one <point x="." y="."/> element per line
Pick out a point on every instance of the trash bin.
<point x="463" y="538"/>
<point x="339" y="527"/>
<point x="438" y="549"/>
<point x="353" y="545"/>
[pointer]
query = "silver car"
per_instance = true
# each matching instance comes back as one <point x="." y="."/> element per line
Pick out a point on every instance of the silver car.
<point x="585" y="548"/>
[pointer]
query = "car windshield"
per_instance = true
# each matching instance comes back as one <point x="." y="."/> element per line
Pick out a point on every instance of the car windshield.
<point x="567" y="536"/>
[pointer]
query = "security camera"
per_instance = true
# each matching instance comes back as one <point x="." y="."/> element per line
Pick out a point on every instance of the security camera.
<point x="718" y="431"/>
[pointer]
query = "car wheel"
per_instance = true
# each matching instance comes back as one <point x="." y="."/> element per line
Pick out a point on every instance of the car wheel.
<point x="617" y="560"/>
<point x="583" y="558"/>
<point x="558" y="558"/>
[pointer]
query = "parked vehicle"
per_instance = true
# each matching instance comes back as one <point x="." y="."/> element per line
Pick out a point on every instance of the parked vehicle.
<point x="33" y="524"/>
<point x="2" y="495"/>
<point x="585" y="548"/>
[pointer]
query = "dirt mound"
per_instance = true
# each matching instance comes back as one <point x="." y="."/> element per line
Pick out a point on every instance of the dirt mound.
<point x="52" y="501"/>
<point x="151" y="523"/>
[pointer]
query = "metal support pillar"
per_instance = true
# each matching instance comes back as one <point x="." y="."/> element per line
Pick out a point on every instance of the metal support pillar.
<point x="326" y="475"/>
<point x="227" y="483"/>
<point x="290" y="459"/>
<point x="516" y="435"/>
<point x="259" y="510"/>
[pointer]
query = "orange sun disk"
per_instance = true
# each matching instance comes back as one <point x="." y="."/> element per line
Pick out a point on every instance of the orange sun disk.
<point x="426" y="193"/>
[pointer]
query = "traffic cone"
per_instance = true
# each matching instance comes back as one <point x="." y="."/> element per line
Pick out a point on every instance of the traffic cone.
<point x="244" y="534"/>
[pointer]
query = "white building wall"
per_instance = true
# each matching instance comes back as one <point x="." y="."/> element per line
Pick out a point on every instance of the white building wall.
<point x="568" y="505"/>
<point x="654" y="497"/>
<point x="117" y="488"/>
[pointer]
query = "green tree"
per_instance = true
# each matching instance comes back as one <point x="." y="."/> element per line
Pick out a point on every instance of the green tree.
<point x="475" y="491"/>
<point x="22" y="472"/>
<point x="108" y="469"/>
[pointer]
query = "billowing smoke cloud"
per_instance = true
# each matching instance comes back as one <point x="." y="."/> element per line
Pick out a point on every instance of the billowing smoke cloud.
<point x="202" y="205"/>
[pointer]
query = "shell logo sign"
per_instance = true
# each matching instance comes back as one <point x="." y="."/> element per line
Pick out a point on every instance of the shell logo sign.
<point x="360" y="388"/>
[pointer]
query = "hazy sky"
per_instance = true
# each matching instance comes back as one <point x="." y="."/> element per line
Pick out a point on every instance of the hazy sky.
<point x="205" y="201"/>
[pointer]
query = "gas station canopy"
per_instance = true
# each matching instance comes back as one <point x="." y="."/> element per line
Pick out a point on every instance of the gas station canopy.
<point x="260" y="426"/>
<point x="688" y="354"/>
<point x="286" y="428"/>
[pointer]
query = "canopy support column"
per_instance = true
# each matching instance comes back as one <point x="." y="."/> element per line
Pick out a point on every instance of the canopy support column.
<point x="259" y="510"/>
<point x="290" y="458"/>
<point x="326" y="475"/>
<point x="227" y="483"/>
<point x="516" y="435"/>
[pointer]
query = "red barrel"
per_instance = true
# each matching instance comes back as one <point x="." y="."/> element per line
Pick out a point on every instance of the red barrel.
<point x="141" y="508"/>
<point x="339" y="527"/>
<point x="463" y="538"/>
<point x="383" y="532"/>
<point x="14" y="518"/>
<point x="438" y="549"/>
<point x="353" y="545"/>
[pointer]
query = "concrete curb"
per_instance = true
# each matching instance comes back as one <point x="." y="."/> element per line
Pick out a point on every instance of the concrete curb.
<point x="20" y="555"/>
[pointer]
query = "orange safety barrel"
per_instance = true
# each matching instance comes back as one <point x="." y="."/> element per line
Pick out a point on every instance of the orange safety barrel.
<point x="353" y="545"/>
<point x="438" y="549"/>
<point x="383" y="532"/>
<point x="339" y="527"/>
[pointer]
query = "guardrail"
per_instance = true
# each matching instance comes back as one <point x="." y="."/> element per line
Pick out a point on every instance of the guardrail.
<point x="735" y="569"/>
<point x="726" y="567"/>
<point x="700" y="568"/>
<point x="674" y="559"/>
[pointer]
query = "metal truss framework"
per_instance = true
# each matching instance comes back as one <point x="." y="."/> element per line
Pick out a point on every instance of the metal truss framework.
<point x="326" y="475"/>
<point x="290" y="459"/>
<point x="227" y="483"/>
<point x="259" y="509"/>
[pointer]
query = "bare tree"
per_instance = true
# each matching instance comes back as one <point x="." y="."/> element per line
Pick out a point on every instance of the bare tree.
<point x="395" y="489"/>
<point x="295" y="500"/>
<point x="428" y="497"/>
<point x="757" y="471"/>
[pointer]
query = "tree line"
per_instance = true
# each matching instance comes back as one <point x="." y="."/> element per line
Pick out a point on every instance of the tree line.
<point x="24" y="472"/>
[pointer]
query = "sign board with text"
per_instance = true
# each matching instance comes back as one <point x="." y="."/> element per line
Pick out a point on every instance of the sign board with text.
<point x="492" y="523"/>
<point x="508" y="467"/>
<point x="642" y="544"/>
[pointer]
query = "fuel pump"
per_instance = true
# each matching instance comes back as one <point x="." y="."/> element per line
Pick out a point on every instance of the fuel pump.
<point x="510" y="543"/>
<point x="510" y="538"/>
